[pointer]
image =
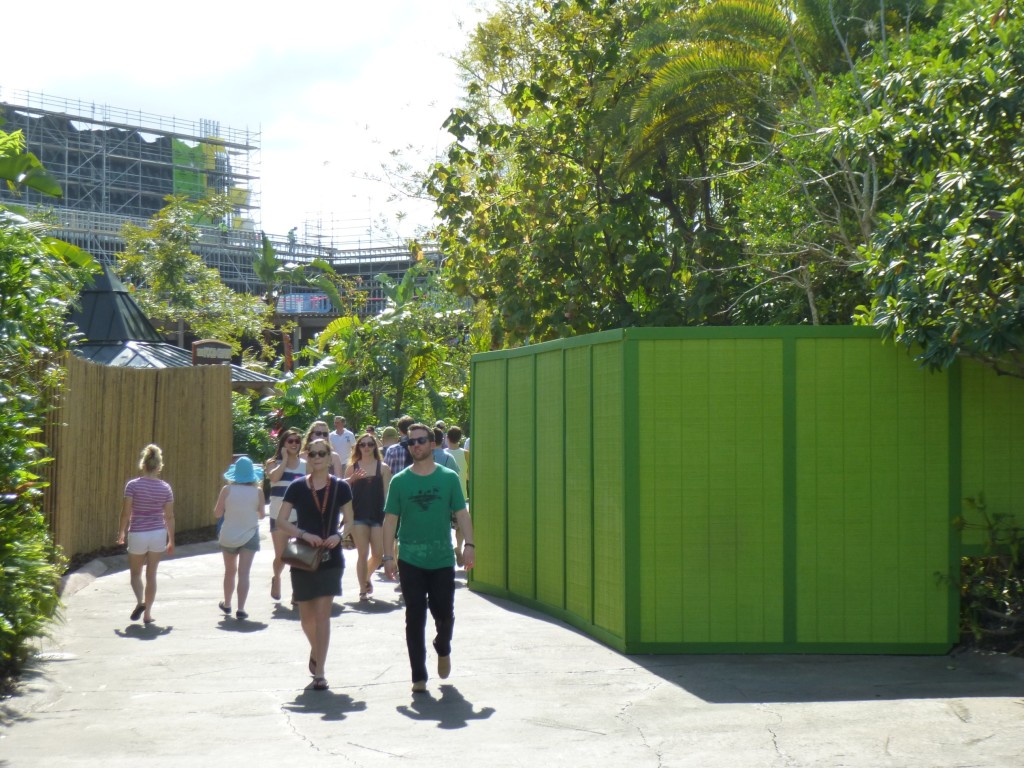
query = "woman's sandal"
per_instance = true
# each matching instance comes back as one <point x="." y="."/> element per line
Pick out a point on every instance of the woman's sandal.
<point x="320" y="684"/>
<point x="275" y="588"/>
<point x="224" y="607"/>
<point x="369" y="588"/>
<point x="312" y="665"/>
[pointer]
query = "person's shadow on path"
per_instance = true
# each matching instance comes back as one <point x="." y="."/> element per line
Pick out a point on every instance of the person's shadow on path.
<point x="243" y="626"/>
<point x="329" y="705"/>
<point x="143" y="631"/>
<point x="283" y="611"/>
<point x="450" y="711"/>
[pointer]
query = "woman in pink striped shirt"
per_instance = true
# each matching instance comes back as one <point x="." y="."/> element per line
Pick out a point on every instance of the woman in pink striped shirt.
<point x="147" y="522"/>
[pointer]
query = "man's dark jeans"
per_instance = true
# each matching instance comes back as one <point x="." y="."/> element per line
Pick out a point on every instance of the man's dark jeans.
<point x="423" y="589"/>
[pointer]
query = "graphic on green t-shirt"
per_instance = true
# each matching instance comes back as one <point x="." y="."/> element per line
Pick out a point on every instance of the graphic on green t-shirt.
<point x="425" y="498"/>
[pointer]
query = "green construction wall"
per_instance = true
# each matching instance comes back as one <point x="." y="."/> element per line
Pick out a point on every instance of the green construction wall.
<point x="992" y="434"/>
<point x="737" y="490"/>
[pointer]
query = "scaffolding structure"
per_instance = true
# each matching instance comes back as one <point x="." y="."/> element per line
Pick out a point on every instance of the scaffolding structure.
<point x="117" y="166"/>
<point x="115" y="162"/>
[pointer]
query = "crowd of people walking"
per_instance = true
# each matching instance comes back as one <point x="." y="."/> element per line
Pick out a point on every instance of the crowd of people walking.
<point x="394" y="501"/>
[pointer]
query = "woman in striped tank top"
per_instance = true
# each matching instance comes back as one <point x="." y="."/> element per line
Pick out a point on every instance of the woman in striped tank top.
<point x="283" y="467"/>
<point x="147" y="524"/>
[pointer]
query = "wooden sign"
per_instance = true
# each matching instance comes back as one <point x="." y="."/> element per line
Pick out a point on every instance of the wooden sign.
<point x="211" y="352"/>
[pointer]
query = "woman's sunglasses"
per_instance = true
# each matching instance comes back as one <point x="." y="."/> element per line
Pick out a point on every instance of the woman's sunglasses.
<point x="318" y="454"/>
<point x="367" y="445"/>
<point x="320" y="434"/>
<point x="293" y="441"/>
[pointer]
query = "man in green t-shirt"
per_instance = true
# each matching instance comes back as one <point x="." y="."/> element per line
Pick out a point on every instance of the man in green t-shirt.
<point x="423" y="497"/>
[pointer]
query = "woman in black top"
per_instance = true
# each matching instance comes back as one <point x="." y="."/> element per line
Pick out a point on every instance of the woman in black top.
<point x="369" y="478"/>
<point x="323" y="504"/>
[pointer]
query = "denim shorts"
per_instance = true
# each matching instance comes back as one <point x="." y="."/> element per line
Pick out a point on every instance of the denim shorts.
<point x="370" y="523"/>
<point x="252" y="544"/>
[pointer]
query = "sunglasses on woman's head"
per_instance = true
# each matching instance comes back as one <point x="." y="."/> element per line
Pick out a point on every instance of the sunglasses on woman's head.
<point x="318" y="454"/>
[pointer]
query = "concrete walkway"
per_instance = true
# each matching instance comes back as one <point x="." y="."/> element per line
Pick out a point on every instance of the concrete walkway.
<point x="525" y="690"/>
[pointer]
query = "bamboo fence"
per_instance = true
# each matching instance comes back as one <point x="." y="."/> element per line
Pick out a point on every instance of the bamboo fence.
<point x="106" y="416"/>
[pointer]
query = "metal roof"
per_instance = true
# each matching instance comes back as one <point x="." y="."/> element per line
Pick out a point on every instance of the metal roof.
<point x="117" y="333"/>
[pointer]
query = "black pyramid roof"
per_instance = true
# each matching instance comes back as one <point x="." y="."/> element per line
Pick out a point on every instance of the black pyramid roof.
<point x="117" y="333"/>
<point x="107" y="312"/>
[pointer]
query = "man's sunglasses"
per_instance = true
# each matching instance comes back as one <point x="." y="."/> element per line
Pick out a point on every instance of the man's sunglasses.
<point x="418" y="440"/>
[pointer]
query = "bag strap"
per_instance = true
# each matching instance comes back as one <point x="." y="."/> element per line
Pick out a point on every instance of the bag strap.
<point x="330" y="493"/>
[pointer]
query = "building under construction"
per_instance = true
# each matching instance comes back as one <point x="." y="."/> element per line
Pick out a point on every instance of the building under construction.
<point x="117" y="166"/>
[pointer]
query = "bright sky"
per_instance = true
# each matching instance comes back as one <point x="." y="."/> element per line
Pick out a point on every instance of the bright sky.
<point x="332" y="88"/>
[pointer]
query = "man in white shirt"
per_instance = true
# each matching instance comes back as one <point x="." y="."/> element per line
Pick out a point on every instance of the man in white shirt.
<point x="342" y="440"/>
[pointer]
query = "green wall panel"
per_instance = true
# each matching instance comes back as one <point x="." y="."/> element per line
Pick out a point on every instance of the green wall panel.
<point x="871" y="513"/>
<point x="993" y="447"/>
<point x="551" y="437"/>
<point x="579" y="484"/>
<point x="660" y="483"/>
<point x="711" y="491"/>
<point x="612" y="510"/>
<point x="488" y="472"/>
<point x="758" y="492"/>
<point x="522" y="451"/>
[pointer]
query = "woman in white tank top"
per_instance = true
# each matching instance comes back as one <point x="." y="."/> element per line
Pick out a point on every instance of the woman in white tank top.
<point x="241" y="505"/>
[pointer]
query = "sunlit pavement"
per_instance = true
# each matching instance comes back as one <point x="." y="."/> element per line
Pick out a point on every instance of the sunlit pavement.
<point x="525" y="690"/>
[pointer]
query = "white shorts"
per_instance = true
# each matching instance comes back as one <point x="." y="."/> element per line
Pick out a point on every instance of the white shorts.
<point x="147" y="541"/>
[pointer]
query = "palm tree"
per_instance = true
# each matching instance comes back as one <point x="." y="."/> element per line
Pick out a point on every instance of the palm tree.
<point x="743" y="59"/>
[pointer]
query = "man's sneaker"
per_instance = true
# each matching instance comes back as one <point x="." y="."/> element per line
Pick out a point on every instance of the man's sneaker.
<point x="444" y="666"/>
<point x="420" y="686"/>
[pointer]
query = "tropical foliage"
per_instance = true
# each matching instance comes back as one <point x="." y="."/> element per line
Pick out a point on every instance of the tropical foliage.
<point x="39" y="276"/>
<point x="412" y="357"/>
<point x="249" y="429"/>
<point x="992" y="583"/>
<point x="276" y="274"/>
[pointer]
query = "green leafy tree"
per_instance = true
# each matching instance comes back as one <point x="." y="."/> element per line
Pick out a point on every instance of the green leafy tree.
<point x="947" y="260"/>
<point x="39" y="277"/>
<point x="777" y="84"/>
<point x="805" y="213"/>
<point x="172" y="283"/>
<point x="543" y="218"/>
